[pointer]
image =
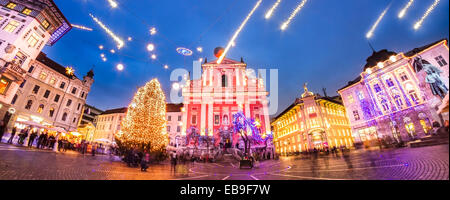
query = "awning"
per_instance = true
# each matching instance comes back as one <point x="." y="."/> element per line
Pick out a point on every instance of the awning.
<point x="31" y="123"/>
<point x="103" y="140"/>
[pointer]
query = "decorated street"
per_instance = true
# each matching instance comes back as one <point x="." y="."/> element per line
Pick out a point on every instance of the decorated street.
<point x="426" y="163"/>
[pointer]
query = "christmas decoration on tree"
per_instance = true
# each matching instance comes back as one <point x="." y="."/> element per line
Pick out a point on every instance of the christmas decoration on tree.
<point x="145" y="123"/>
<point x="248" y="129"/>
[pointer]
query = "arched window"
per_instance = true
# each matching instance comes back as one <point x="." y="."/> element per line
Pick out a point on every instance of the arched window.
<point x="51" y="112"/>
<point x="29" y="104"/>
<point x="40" y="108"/>
<point x="224" y="81"/>
<point x="64" y="117"/>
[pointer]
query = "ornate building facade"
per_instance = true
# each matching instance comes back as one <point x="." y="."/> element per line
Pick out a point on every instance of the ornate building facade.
<point x="25" y="28"/>
<point x="109" y="124"/>
<point x="311" y="122"/>
<point x="222" y="91"/>
<point x="50" y="96"/>
<point x="398" y="94"/>
<point x="174" y="117"/>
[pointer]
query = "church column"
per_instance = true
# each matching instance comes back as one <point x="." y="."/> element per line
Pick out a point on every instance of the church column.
<point x="210" y="118"/>
<point x="266" y="115"/>
<point x="203" y="120"/>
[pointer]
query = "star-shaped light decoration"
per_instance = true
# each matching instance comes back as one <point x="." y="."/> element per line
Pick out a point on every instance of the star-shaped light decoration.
<point x="69" y="71"/>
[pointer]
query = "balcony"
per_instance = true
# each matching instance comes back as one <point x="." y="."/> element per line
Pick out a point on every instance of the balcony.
<point x="13" y="70"/>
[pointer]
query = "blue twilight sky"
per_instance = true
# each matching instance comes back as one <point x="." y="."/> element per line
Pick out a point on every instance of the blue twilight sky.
<point x="325" y="44"/>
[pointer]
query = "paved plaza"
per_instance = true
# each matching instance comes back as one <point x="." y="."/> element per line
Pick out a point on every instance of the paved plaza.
<point x="426" y="163"/>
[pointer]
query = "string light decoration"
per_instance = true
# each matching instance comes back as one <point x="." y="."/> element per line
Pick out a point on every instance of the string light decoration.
<point x="374" y="27"/>
<point x="152" y="31"/>
<point x="272" y="9"/>
<point x="145" y="121"/>
<point x="402" y="13"/>
<point x="429" y="10"/>
<point x="119" y="41"/>
<point x="113" y="3"/>
<point x="293" y="14"/>
<point x="82" y="27"/>
<point x="238" y="31"/>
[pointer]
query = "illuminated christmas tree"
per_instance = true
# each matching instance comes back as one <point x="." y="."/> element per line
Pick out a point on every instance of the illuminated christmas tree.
<point x="145" y="123"/>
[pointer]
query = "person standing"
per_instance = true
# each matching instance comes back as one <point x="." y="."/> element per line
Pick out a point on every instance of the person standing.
<point x="174" y="160"/>
<point x="32" y="137"/>
<point x="94" y="148"/>
<point x="13" y="133"/>
<point x="144" y="161"/>
<point x="2" y="130"/>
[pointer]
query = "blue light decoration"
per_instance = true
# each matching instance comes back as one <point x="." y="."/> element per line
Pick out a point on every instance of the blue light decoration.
<point x="192" y="134"/>
<point x="242" y="123"/>
<point x="184" y="51"/>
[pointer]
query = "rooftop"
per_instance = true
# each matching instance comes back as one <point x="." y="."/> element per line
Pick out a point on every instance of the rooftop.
<point x="42" y="57"/>
<point x="114" y="111"/>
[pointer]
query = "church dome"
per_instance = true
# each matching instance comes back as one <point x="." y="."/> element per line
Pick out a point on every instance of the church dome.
<point x="377" y="57"/>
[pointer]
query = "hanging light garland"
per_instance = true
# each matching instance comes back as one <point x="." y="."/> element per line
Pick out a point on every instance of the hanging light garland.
<point x="119" y="41"/>
<point x="428" y="12"/>
<point x="293" y="14"/>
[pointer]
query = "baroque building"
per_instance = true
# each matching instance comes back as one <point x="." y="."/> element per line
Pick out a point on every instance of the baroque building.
<point x="25" y="28"/>
<point x="311" y="122"/>
<point x="397" y="95"/>
<point x="211" y="101"/>
<point x="50" y="96"/>
<point x="108" y="125"/>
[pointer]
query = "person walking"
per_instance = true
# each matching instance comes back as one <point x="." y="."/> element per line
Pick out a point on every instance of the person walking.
<point x="32" y="137"/>
<point x="2" y="130"/>
<point x="13" y="133"/>
<point x="144" y="161"/>
<point x="174" y="160"/>
<point x="94" y="148"/>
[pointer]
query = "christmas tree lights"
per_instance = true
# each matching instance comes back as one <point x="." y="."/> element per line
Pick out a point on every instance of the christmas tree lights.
<point x="145" y="121"/>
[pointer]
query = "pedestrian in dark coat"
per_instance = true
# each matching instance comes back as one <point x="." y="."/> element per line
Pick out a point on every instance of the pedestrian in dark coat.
<point x="13" y="133"/>
<point x="2" y="130"/>
<point x="32" y="137"/>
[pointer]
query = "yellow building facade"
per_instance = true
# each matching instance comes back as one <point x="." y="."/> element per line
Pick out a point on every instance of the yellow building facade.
<point x="312" y="122"/>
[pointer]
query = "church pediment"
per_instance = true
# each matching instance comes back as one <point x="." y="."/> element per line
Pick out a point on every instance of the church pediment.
<point x="225" y="61"/>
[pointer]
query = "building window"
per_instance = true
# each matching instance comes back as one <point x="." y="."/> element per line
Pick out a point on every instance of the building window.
<point x="179" y="118"/>
<point x="12" y="26"/>
<point x="14" y="99"/>
<point x="57" y="98"/>
<point x="389" y="82"/>
<point x="26" y="11"/>
<point x="11" y="5"/>
<point x="404" y="77"/>
<point x="178" y="129"/>
<point x="51" y="112"/>
<point x="64" y="117"/>
<point x="216" y="119"/>
<point x="350" y="99"/>
<point x="441" y="61"/>
<point x="82" y="94"/>
<point x="4" y="85"/>
<point x="52" y="81"/>
<point x="360" y="96"/>
<point x="74" y="120"/>
<point x="46" y="94"/>
<point x="356" y="115"/>
<point x="169" y="118"/>
<point x="398" y="101"/>
<point x="377" y="88"/>
<point x="74" y="90"/>
<point x="168" y="128"/>
<point x="45" y="24"/>
<point x="43" y="76"/>
<point x="384" y="104"/>
<point x="33" y="40"/>
<point x="194" y="119"/>
<point x="40" y="108"/>
<point x="29" y="104"/>
<point x="224" y="81"/>
<point x="63" y="84"/>
<point x="36" y="89"/>
<point x="31" y="69"/>
<point x="69" y="102"/>
<point x="20" y="58"/>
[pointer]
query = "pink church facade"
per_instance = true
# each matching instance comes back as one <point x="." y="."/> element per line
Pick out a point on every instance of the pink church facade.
<point x="211" y="101"/>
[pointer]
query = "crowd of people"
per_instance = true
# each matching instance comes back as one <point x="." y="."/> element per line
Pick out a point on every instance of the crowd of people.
<point x="47" y="140"/>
